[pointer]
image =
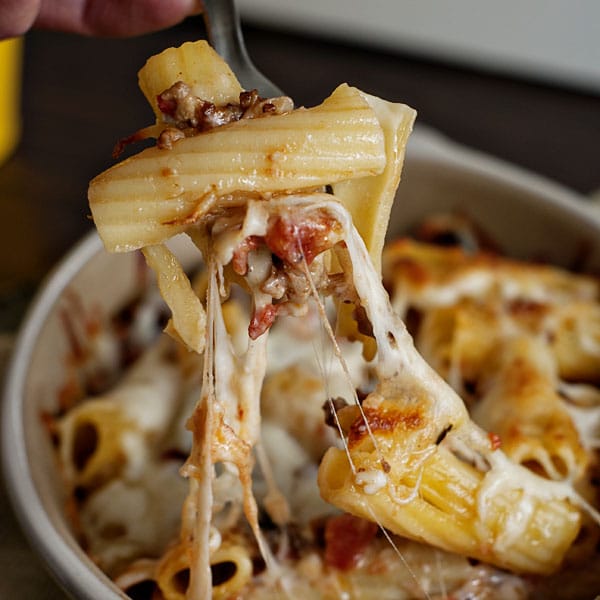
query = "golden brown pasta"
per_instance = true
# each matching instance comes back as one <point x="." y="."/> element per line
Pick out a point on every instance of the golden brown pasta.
<point x="520" y="403"/>
<point x="195" y="63"/>
<point x="156" y="194"/>
<point x="188" y="322"/>
<point x="576" y="341"/>
<point x="428" y="275"/>
<point x="107" y="435"/>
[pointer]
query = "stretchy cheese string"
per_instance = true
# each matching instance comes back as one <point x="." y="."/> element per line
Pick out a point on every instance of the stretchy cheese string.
<point x="275" y="502"/>
<point x="339" y="355"/>
<point x="244" y="398"/>
<point x="442" y="582"/>
<point x="231" y="387"/>
<point x="327" y="327"/>
<point x="199" y="467"/>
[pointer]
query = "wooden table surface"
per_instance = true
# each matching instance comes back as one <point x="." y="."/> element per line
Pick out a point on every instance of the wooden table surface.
<point x="80" y="96"/>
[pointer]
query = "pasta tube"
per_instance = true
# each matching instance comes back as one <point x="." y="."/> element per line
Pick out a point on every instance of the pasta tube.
<point x="173" y="572"/>
<point x="521" y="405"/>
<point x="370" y="199"/>
<point x="231" y="567"/>
<point x="455" y="340"/>
<point x="188" y="319"/>
<point x="198" y="65"/>
<point x="416" y="464"/>
<point x="108" y="435"/>
<point x="156" y="194"/>
<point x="426" y="492"/>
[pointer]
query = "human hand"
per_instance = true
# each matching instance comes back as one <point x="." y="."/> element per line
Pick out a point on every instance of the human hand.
<point x="115" y="18"/>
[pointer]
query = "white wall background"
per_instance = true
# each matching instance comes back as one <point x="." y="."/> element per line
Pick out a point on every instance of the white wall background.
<point x="549" y="40"/>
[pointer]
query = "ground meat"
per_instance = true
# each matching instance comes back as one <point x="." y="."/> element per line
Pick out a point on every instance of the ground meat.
<point x="239" y="262"/>
<point x="294" y="239"/>
<point x="289" y="288"/>
<point x="254" y="106"/>
<point x="298" y="289"/>
<point x="284" y="254"/>
<point x="168" y="137"/>
<point x="186" y="115"/>
<point x="346" y="539"/>
<point x="190" y="115"/>
<point x="261" y="320"/>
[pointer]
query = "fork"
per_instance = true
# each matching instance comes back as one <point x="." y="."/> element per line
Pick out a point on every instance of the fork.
<point x="224" y="29"/>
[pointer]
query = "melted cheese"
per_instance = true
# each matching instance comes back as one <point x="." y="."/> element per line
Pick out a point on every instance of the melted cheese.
<point x="505" y="475"/>
<point x="130" y="518"/>
<point x="230" y="406"/>
<point x="371" y="481"/>
<point x="584" y="408"/>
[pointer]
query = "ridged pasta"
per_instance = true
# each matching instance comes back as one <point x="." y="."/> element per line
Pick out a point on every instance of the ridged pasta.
<point x="156" y="194"/>
<point x="408" y="456"/>
<point x="195" y="63"/>
<point x="108" y="435"/>
<point x="188" y="321"/>
<point x="231" y="564"/>
<point x="520" y="403"/>
<point x="431" y="495"/>
<point x="456" y="340"/>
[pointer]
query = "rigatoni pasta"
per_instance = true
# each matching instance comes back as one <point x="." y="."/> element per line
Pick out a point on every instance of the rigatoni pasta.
<point x="107" y="436"/>
<point x="520" y="402"/>
<point x="188" y="322"/>
<point x="196" y="64"/>
<point x="154" y="195"/>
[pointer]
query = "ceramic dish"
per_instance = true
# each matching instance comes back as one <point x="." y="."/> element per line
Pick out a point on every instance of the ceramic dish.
<point x="527" y="215"/>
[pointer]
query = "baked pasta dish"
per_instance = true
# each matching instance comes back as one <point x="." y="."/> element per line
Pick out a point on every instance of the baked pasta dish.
<point x="326" y="418"/>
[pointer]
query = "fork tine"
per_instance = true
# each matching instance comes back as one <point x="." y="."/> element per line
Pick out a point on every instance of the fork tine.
<point x="225" y="35"/>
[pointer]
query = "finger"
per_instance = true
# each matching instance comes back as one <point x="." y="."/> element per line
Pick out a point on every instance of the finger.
<point x="17" y="16"/>
<point x="113" y="18"/>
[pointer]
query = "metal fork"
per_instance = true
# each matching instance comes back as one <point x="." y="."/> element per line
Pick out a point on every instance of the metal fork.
<point x="225" y="35"/>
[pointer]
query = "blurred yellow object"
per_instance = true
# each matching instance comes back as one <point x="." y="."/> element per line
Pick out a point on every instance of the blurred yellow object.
<point x="10" y="84"/>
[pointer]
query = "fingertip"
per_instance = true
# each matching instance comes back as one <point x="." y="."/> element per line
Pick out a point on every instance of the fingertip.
<point x="114" y="18"/>
<point x="143" y="16"/>
<point x="152" y="15"/>
<point x="17" y="17"/>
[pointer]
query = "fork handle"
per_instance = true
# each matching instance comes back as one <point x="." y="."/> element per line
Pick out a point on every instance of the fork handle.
<point x="225" y="32"/>
<point x="225" y="35"/>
